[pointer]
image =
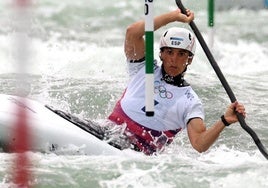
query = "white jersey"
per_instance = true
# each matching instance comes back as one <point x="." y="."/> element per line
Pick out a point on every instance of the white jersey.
<point x="174" y="106"/>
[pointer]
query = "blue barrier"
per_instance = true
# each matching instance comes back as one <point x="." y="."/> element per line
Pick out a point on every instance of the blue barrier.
<point x="266" y="3"/>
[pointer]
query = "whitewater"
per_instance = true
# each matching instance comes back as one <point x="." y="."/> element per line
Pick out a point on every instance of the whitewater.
<point x="77" y="64"/>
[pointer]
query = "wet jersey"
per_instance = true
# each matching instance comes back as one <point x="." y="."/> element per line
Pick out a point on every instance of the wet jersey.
<point x="173" y="106"/>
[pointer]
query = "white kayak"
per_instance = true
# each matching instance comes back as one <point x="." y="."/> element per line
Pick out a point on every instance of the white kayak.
<point x="51" y="130"/>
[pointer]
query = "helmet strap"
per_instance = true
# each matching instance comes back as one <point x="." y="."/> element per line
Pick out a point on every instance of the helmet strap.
<point x="174" y="80"/>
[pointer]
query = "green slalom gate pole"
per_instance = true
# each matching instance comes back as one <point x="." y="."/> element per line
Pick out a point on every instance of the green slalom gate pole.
<point x="211" y="23"/>
<point x="149" y="58"/>
<point x="210" y="13"/>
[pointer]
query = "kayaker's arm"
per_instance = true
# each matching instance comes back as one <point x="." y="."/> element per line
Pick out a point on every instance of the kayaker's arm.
<point x="134" y="41"/>
<point x="202" y="138"/>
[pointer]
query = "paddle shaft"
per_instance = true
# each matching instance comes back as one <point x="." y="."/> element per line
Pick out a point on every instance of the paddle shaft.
<point x="223" y="81"/>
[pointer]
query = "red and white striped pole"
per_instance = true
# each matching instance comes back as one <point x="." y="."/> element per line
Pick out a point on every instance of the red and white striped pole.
<point x="20" y="140"/>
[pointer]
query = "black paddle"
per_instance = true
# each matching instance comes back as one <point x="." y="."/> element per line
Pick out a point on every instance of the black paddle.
<point x="223" y="81"/>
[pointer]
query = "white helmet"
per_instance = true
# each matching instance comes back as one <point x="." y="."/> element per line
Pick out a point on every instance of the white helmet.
<point x="178" y="38"/>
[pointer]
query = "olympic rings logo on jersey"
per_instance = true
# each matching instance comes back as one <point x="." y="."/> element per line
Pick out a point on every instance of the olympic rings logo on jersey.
<point x="162" y="91"/>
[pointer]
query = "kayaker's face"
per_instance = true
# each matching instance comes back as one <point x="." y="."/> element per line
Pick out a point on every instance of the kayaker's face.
<point x="175" y="60"/>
